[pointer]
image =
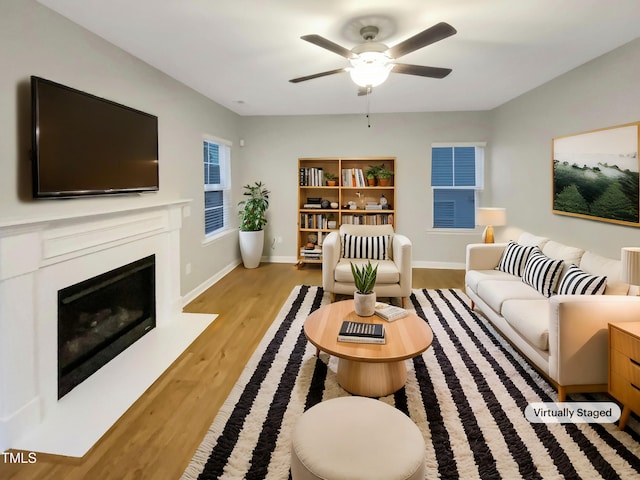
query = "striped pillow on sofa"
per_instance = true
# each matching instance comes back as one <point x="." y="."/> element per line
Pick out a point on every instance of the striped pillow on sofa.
<point x="372" y="248"/>
<point x="514" y="258"/>
<point x="578" y="282"/>
<point x="542" y="272"/>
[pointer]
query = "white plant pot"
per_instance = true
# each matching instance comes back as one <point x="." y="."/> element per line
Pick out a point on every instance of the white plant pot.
<point x="365" y="304"/>
<point x="251" y="245"/>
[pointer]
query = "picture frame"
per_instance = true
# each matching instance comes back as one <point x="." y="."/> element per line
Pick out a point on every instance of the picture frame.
<point x="596" y="175"/>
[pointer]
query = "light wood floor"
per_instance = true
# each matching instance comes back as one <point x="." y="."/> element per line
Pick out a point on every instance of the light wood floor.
<point x="156" y="438"/>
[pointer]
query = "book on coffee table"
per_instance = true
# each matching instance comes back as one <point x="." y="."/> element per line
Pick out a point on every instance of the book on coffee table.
<point x="361" y="332"/>
<point x="390" y="312"/>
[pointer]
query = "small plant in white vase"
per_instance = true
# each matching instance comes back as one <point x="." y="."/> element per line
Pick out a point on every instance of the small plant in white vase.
<point x="364" y="278"/>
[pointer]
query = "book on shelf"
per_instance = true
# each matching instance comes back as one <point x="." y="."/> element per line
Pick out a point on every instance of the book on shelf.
<point x="311" y="176"/>
<point x="390" y="313"/>
<point x="361" y="332"/>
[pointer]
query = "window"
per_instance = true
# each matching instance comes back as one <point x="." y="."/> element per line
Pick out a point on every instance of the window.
<point x="217" y="157"/>
<point x="456" y="177"/>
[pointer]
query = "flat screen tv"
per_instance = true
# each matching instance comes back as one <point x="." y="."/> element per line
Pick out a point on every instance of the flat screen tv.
<point x="86" y="145"/>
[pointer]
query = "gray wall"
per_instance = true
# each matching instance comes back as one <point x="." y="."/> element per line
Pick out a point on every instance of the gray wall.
<point x="274" y="144"/>
<point x="601" y="93"/>
<point x="37" y="41"/>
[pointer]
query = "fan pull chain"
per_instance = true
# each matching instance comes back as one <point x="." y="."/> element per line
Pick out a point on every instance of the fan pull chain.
<point x="369" y="90"/>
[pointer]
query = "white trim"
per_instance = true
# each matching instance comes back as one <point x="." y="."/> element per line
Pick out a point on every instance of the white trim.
<point x="213" y="139"/>
<point x="439" y="265"/>
<point x="458" y="144"/>
<point x="455" y="231"/>
<point x="217" y="235"/>
<point x="200" y="289"/>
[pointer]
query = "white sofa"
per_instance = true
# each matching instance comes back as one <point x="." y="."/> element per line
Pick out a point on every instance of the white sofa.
<point x="564" y="336"/>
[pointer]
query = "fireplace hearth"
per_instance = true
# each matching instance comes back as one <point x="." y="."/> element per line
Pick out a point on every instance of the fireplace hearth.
<point x="100" y="317"/>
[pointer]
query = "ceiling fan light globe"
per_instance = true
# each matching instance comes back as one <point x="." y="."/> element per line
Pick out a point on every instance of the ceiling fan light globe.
<point x="370" y="69"/>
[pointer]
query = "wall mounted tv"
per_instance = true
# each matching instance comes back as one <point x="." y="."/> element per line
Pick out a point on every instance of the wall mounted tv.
<point x="86" y="145"/>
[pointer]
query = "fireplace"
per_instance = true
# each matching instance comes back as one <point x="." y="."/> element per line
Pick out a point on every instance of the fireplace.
<point x="100" y="317"/>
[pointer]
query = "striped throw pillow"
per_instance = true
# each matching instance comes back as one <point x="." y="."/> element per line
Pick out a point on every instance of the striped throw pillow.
<point x="514" y="258"/>
<point x="542" y="272"/>
<point x="578" y="282"/>
<point x="372" y="248"/>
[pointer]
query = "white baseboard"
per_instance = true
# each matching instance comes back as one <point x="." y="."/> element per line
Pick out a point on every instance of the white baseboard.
<point x="439" y="265"/>
<point x="193" y="294"/>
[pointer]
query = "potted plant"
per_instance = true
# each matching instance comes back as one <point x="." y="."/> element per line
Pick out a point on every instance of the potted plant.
<point x="384" y="176"/>
<point x="331" y="178"/>
<point x="252" y="223"/>
<point x="364" y="297"/>
<point x="371" y="173"/>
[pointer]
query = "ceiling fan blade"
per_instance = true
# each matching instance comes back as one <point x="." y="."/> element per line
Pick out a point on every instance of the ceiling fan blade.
<point x="422" y="71"/>
<point x="328" y="45"/>
<point x="317" y="75"/>
<point x="427" y="37"/>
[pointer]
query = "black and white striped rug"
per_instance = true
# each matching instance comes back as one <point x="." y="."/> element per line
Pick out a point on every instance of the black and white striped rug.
<point x="467" y="394"/>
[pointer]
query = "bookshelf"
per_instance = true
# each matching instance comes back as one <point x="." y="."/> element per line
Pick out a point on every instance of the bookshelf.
<point x="322" y="208"/>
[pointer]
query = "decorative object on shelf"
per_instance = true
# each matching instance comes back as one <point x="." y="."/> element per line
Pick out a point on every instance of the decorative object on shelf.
<point x="371" y="173"/>
<point x="331" y="178"/>
<point x="384" y="204"/>
<point x="364" y="278"/>
<point x="384" y="176"/>
<point x="352" y="205"/>
<point x="325" y="204"/>
<point x="252" y="222"/>
<point x="489" y="218"/>
<point x="595" y="175"/>
<point x="334" y="205"/>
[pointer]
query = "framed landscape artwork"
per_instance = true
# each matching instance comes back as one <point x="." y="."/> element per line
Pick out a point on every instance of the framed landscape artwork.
<point x="595" y="175"/>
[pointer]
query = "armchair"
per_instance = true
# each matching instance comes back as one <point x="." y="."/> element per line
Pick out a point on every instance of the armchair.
<point x="393" y="255"/>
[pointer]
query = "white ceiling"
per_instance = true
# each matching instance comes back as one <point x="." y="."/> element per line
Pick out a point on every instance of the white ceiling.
<point x="241" y="53"/>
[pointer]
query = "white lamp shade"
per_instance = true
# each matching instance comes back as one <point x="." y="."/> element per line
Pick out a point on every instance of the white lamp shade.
<point x="631" y="265"/>
<point x="491" y="216"/>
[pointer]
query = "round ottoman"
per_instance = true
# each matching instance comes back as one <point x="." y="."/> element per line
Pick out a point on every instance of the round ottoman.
<point x="352" y="438"/>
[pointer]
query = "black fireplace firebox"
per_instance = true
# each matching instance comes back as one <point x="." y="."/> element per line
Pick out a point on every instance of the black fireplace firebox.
<point x="102" y="316"/>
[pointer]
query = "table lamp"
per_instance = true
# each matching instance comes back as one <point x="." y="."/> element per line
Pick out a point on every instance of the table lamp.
<point x="490" y="217"/>
<point x="631" y="265"/>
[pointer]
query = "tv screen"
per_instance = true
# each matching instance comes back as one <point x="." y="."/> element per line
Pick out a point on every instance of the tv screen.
<point x="86" y="145"/>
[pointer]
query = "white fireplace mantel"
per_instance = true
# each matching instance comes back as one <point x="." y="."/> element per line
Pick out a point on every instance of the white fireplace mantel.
<point x="40" y="256"/>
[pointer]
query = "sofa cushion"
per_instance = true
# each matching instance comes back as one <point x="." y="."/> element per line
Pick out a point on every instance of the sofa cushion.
<point x="559" y="251"/>
<point x="598" y="265"/>
<point x="542" y="272"/>
<point x="474" y="277"/>
<point x="514" y="258"/>
<point x="372" y="248"/>
<point x="530" y="318"/>
<point x="387" y="270"/>
<point x="530" y="240"/>
<point x="496" y="292"/>
<point x="577" y="282"/>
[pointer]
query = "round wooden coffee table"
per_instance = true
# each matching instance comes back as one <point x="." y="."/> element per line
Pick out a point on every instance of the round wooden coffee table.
<point x="366" y="369"/>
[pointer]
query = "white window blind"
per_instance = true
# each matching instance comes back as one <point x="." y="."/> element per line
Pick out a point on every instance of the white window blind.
<point x="217" y="159"/>
<point x="457" y="173"/>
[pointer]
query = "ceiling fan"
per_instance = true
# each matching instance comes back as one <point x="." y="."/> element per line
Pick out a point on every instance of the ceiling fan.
<point x="371" y="61"/>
